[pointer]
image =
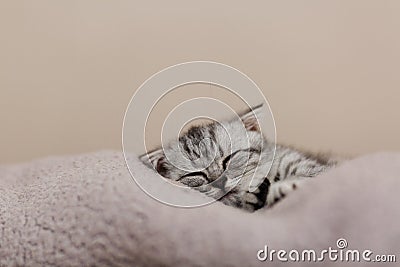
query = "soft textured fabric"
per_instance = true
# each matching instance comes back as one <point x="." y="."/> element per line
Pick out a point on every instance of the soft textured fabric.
<point x="87" y="210"/>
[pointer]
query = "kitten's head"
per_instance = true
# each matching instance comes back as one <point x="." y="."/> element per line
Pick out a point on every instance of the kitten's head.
<point x="224" y="150"/>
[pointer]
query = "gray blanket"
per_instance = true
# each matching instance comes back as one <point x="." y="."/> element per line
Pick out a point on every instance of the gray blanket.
<point x="87" y="210"/>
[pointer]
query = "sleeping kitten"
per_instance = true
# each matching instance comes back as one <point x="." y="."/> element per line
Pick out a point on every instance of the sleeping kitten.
<point x="225" y="159"/>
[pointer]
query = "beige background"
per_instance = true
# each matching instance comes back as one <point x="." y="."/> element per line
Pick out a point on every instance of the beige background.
<point x="330" y="69"/>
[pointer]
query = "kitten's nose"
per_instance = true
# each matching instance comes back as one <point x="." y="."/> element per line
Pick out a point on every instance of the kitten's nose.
<point x="220" y="182"/>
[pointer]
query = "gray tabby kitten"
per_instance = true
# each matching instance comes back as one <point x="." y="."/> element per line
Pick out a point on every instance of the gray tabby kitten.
<point x="233" y="162"/>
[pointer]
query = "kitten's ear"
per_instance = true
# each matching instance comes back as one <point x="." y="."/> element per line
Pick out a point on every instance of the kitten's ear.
<point x="155" y="159"/>
<point x="249" y="118"/>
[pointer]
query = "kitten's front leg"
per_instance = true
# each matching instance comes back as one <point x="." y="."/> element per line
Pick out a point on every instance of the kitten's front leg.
<point x="247" y="200"/>
<point x="280" y="189"/>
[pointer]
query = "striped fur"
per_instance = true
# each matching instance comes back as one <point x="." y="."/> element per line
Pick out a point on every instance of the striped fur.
<point x="233" y="162"/>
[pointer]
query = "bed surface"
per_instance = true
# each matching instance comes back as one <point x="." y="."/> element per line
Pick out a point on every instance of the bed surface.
<point x="87" y="210"/>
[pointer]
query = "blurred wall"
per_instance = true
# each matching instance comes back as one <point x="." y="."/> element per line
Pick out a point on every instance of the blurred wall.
<point x="330" y="69"/>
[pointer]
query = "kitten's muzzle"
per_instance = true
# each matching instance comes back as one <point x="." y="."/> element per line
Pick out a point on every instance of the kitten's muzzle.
<point x="220" y="182"/>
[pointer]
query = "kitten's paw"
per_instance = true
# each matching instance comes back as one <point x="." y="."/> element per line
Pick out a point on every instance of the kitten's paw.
<point x="252" y="202"/>
<point x="250" y="198"/>
<point x="256" y="199"/>
<point x="280" y="189"/>
<point x="246" y="200"/>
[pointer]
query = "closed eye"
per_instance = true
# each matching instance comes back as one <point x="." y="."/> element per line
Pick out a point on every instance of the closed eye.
<point x="192" y="174"/>
<point x="227" y="159"/>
